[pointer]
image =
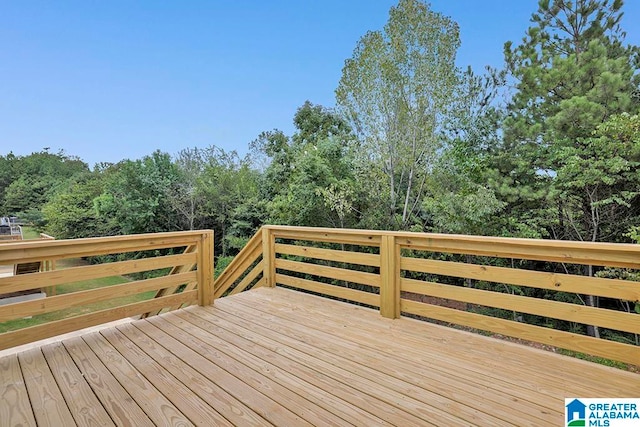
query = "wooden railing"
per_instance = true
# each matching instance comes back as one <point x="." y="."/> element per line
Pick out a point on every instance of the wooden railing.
<point x="455" y="279"/>
<point x="163" y="254"/>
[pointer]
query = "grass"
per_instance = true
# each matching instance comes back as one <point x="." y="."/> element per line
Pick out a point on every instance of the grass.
<point x="75" y="311"/>
<point x="67" y="288"/>
<point x="29" y="233"/>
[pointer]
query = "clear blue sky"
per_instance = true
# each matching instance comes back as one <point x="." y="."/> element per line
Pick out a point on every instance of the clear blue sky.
<point x="108" y="80"/>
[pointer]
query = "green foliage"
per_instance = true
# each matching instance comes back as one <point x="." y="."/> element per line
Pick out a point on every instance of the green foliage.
<point x="396" y="91"/>
<point x="27" y="182"/>
<point x="71" y="212"/>
<point x="305" y="169"/>
<point x="134" y="200"/>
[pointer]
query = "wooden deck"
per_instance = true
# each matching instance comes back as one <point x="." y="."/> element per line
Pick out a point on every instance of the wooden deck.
<point x="272" y="356"/>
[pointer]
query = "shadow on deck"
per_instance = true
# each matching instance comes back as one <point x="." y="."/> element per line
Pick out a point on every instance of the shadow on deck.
<point x="272" y="356"/>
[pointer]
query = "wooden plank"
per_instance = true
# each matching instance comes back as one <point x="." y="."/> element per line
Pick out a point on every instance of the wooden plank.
<point x="238" y="269"/>
<point x="75" y="299"/>
<point x="15" y="408"/>
<point x="588" y="253"/>
<point x="584" y="344"/>
<point x="157" y="407"/>
<point x="617" y="320"/>
<point x="379" y="362"/>
<point x="609" y="288"/>
<point x="331" y="235"/>
<point x="90" y="272"/>
<point x="389" y="278"/>
<point x="259" y="284"/>
<point x="187" y="366"/>
<point x="196" y="409"/>
<point x="177" y="269"/>
<point x="49" y="406"/>
<point x="58" y="327"/>
<point x="251" y="388"/>
<point x="190" y="251"/>
<point x="350" y="257"/>
<point x="85" y="407"/>
<point x="268" y="258"/>
<point x="113" y="397"/>
<point x="301" y="390"/>
<point x="477" y="374"/>
<point x="36" y="250"/>
<point x="325" y="289"/>
<point x="223" y="282"/>
<point x="353" y="276"/>
<point x="248" y="279"/>
<point x="501" y="363"/>
<point x="205" y="269"/>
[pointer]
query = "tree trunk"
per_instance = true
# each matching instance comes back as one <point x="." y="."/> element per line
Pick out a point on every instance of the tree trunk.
<point x="592" y="301"/>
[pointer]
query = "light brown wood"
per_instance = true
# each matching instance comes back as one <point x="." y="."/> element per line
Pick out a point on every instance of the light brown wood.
<point x="325" y="289"/>
<point x="268" y="257"/>
<point x="49" y="406"/>
<point x="354" y="276"/>
<point x="205" y="269"/>
<point x="597" y="347"/>
<point x="58" y="327"/>
<point x="589" y="253"/>
<point x="371" y="357"/>
<point x="247" y="255"/>
<point x="389" y="278"/>
<point x="177" y="269"/>
<point x="510" y="367"/>
<point x="609" y="288"/>
<point x="273" y="356"/>
<point x="187" y="402"/>
<point x="118" y="403"/>
<point x="249" y="278"/>
<point x="617" y="320"/>
<point x="80" y="298"/>
<point x="37" y="250"/>
<point x="331" y="235"/>
<point x="15" y="407"/>
<point x="187" y="368"/>
<point x="157" y="406"/>
<point x="254" y="389"/>
<point x="53" y="278"/>
<point x="79" y="398"/>
<point x="350" y="257"/>
<point x="289" y="379"/>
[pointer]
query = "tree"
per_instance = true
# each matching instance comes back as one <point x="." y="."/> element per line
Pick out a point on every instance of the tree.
<point x="135" y="199"/>
<point x="304" y="169"/>
<point x="396" y="91"/>
<point x="573" y="74"/>
<point x="30" y="181"/>
<point x="186" y="195"/>
<point x="71" y="213"/>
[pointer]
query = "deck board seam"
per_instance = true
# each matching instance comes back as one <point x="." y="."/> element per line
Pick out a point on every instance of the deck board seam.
<point x="476" y="410"/>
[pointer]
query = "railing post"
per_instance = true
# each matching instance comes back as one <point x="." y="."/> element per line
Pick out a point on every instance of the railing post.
<point x="389" y="277"/>
<point x="205" y="268"/>
<point x="269" y="257"/>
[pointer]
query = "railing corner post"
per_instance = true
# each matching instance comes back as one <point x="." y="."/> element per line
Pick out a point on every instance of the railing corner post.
<point x="389" y="277"/>
<point x="269" y="257"/>
<point x="205" y="268"/>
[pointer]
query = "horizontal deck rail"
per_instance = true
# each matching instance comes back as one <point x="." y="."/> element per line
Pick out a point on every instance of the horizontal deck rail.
<point x="182" y="277"/>
<point x="455" y="279"/>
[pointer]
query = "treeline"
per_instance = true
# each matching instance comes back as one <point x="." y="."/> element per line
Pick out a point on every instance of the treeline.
<point x="547" y="147"/>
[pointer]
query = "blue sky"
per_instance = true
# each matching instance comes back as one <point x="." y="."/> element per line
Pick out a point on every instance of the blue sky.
<point x="109" y="80"/>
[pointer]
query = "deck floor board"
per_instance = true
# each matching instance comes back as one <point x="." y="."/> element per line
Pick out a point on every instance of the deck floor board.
<point x="279" y="357"/>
